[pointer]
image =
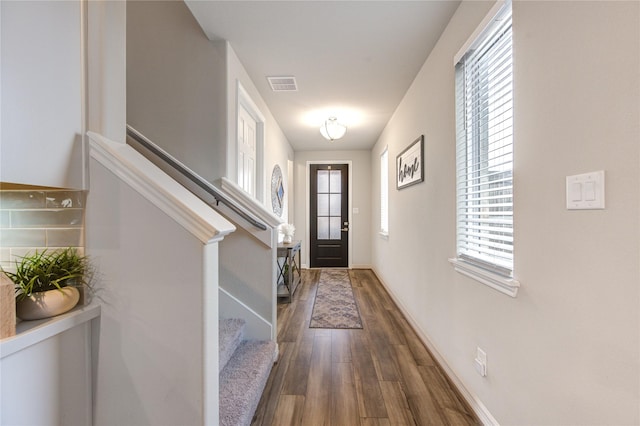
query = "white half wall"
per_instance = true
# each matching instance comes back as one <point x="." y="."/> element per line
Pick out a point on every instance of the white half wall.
<point x="151" y="346"/>
<point x="248" y="273"/>
<point x="156" y="245"/>
<point x="567" y="349"/>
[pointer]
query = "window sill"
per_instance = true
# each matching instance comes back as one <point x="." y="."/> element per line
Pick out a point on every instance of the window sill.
<point x="508" y="286"/>
<point x="384" y="235"/>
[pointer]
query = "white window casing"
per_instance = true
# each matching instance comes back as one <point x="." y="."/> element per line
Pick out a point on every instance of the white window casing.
<point x="484" y="155"/>
<point x="384" y="193"/>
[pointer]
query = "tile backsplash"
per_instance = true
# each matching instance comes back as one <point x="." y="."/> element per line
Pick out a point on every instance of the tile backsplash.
<point x="38" y="219"/>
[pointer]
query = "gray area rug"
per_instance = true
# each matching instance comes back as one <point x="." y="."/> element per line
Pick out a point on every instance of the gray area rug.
<point x="334" y="305"/>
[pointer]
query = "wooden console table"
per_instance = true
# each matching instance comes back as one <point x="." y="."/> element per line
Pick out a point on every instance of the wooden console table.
<point x="288" y="262"/>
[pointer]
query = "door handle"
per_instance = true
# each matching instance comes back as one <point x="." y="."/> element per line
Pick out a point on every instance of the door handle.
<point x="345" y="229"/>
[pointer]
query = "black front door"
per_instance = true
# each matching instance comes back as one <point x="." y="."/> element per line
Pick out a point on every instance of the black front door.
<point x="329" y="215"/>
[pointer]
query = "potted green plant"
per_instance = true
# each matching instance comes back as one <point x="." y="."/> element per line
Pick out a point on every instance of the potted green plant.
<point x="50" y="282"/>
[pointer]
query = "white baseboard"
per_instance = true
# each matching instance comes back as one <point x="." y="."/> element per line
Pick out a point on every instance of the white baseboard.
<point x="355" y="266"/>
<point x="474" y="402"/>
<point x="361" y="266"/>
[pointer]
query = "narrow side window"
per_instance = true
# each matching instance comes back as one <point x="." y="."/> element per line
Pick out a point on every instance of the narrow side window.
<point x="484" y="152"/>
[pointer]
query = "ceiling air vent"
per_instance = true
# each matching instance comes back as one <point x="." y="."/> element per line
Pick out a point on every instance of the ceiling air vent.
<point x="283" y="84"/>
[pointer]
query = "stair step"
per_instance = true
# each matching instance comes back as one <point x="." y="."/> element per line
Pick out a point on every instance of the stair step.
<point x="230" y="334"/>
<point x="242" y="381"/>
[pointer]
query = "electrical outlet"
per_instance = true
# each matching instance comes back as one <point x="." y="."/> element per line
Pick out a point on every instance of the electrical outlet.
<point x="480" y="363"/>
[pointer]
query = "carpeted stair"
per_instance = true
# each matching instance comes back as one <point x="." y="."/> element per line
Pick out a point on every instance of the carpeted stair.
<point x="244" y="369"/>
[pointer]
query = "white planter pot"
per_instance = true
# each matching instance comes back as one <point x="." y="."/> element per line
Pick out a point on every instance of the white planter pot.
<point x="47" y="304"/>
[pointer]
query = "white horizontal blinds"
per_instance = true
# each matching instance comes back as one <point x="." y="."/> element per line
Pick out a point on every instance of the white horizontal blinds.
<point x="384" y="192"/>
<point x="484" y="120"/>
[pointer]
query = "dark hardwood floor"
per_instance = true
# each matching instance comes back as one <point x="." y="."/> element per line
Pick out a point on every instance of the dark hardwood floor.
<point x="380" y="375"/>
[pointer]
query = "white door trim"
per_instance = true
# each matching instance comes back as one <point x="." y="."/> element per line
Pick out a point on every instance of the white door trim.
<point x="307" y="237"/>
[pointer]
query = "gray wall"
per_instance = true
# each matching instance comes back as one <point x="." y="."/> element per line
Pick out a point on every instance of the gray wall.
<point x="566" y="350"/>
<point x="176" y="90"/>
<point x="182" y="92"/>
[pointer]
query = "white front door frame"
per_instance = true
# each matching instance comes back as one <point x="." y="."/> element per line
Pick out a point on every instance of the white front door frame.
<point x="307" y="237"/>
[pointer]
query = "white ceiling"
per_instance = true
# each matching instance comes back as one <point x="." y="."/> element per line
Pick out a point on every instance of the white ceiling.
<point x="351" y="59"/>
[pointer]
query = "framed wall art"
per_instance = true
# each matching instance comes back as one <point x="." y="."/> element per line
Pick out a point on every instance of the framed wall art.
<point x="410" y="164"/>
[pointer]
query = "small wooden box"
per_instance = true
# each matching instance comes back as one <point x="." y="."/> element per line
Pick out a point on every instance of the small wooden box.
<point x="7" y="307"/>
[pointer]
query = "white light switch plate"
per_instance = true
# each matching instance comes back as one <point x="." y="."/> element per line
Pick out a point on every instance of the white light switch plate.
<point x="480" y="363"/>
<point x="585" y="191"/>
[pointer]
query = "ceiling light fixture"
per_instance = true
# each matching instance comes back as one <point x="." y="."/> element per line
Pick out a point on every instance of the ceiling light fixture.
<point x="332" y="130"/>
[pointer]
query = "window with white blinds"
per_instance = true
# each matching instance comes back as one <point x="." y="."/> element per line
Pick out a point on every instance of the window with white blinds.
<point x="484" y="150"/>
<point x="384" y="192"/>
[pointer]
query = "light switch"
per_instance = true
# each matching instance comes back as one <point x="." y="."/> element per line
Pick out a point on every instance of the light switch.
<point x="576" y="191"/>
<point x="589" y="191"/>
<point x="585" y="191"/>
